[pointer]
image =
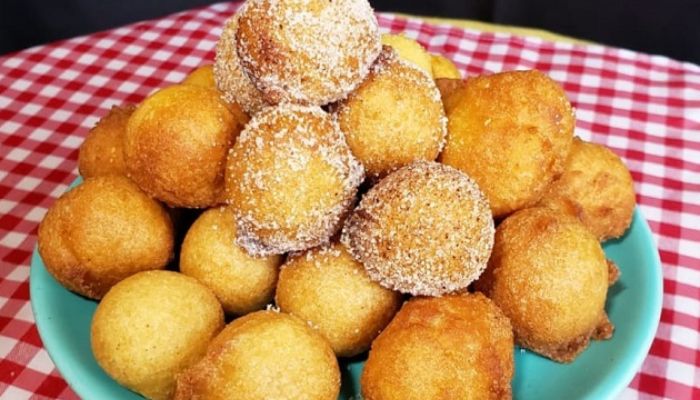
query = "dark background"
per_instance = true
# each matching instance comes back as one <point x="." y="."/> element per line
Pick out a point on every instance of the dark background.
<point x="670" y="27"/>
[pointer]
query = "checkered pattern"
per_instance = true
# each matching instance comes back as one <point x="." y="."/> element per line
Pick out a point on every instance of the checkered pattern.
<point x="646" y="108"/>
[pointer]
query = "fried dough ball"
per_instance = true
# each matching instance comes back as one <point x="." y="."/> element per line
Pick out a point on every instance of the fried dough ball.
<point x="101" y="232"/>
<point x="425" y="229"/>
<point x="291" y="179"/>
<point x="176" y="145"/>
<point x="264" y="355"/>
<point x="230" y="78"/>
<point x="102" y="152"/>
<point x="447" y="86"/>
<point x="549" y="276"/>
<point x="150" y="327"/>
<point x="453" y="347"/>
<point x="511" y="132"/>
<point x="242" y="283"/>
<point x="596" y="187"/>
<point x="310" y="52"/>
<point x="202" y="76"/>
<point x="443" y="67"/>
<point x="410" y="50"/>
<point x="394" y="118"/>
<point x="333" y="293"/>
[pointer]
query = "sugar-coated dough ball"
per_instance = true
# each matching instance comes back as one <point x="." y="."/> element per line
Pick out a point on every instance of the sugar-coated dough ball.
<point x="310" y="52"/>
<point x="102" y="152"/>
<point x="176" y="145"/>
<point x="202" y="76"/>
<point x="331" y="291"/>
<point x="596" y="187"/>
<point x="228" y="73"/>
<point x="411" y="51"/>
<point x="101" y="232"/>
<point x="291" y="178"/>
<point x="443" y="67"/>
<point x="425" y="229"/>
<point x="452" y="347"/>
<point x="241" y="282"/>
<point x="549" y="276"/>
<point x="264" y="355"/>
<point x="150" y="327"/>
<point x="394" y="118"/>
<point x="511" y="132"/>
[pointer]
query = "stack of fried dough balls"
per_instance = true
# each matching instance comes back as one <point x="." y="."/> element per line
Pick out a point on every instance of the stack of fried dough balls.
<point x="344" y="188"/>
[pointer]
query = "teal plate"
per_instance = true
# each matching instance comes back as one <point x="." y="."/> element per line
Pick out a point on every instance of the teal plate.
<point x="601" y="372"/>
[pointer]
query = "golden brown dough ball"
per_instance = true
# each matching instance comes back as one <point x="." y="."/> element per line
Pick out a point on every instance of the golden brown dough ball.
<point x="102" y="152"/>
<point x="310" y="52"/>
<point x="101" y="232"/>
<point x="447" y="86"/>
<point x="411" y="51"/>
<point x="549" y="276"/>
<point x="202" y="76"/>
<point x="228" y="73"/>
<point x="242" y="283"/>
<point x="291" y="178"/>
<point x="176" y="145"/>
<point x="150" y="327"/>
<point x="264" y="355"/>
<point x="394" y="118"/>
<point x="443" y="67"/>
<point x="511" y="132"/>
<point x="452" y="347"/>
<point x="333" y="293"/>
<point x="425" y="229"/>
<point x="596" y="187"/>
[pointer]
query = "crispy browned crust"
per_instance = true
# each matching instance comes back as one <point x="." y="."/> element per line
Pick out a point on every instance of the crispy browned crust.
<point x="597" y="188"/>
<point x="456" y="347"/>
<point x="102" y="152"/>
<point x="447" y="86"/>
<point x="613" y="272"/>
<point x="101" y="232"/>
<point x="549" y="275"/>
<point x="176" y="145"/>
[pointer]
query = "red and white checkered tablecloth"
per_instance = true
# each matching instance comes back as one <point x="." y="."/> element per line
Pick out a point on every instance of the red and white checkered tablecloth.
<point x="646" y="108"/>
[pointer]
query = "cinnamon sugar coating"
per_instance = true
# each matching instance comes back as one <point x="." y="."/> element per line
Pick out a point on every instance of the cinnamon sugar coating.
<point x="425" y="229"/>
<point x="307" y="51"/>
<point x="290" y="179"/>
